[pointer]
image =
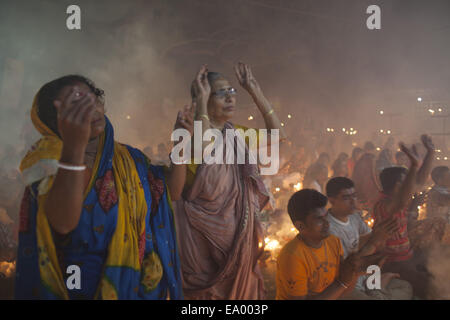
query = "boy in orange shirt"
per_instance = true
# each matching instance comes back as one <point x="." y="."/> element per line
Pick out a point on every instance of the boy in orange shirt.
<point x="311" y="266"/>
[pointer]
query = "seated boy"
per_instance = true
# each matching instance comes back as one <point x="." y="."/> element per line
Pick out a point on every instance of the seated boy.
<point x="346" y="224"/>
<point x="311" y="266"/>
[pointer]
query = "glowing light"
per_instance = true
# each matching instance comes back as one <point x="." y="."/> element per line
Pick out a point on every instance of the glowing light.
<point x="440" y="110"/>
<point x="437" y="158"/>
<point x="381" y="130"/>
<point x="128" y="117"/>
<point x="389" y="132"/>
<point x="332" y="130"/>
<point x="260" y="244"/>
<point x="297" y="186"/>
<point x="328" y="129"/>
<point x="250" y="118"/>
<point x="354" y="144"/>
<point x="370" y="222"/>
<point x="7" y="268"/>
<point x="343" y="129"/>
<point x="293" y="229"/>
<point x="271" y="244"/>
<point x="438" y="150"/>
<point x="431" y="111"/>
<point x="419" y="99"/>
<point x="381" y="112"/>
<point x="277" y="189"/>
<point x="378" y="149"/>
<point x="282" y="124"/>
<point x="445" y="158"/>
<point x="289" y="116"/>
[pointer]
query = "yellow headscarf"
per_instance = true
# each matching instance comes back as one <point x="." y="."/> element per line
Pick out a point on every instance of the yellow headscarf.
<point x="132" y="209"/>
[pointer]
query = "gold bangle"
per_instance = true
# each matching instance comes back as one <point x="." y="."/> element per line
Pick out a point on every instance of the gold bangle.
<point x="204" y="116"/>
<point x="269" y="112"/>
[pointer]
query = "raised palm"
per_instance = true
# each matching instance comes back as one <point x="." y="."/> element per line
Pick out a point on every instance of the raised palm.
<point x="427" y="142"/>
<point x="246" y="78"/>
<point x="411" y="154"/>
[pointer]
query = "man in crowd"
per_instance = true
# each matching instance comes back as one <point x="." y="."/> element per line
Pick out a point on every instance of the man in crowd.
<point x="399" y="184"/>
<point x="311" y="266"/>
<point x="438" y="204"/>
<point x="346" y="224"/>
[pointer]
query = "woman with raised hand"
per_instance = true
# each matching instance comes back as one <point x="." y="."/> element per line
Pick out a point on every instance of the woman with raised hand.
<point x="219" y="234"/>
<point x="96" y="220"/>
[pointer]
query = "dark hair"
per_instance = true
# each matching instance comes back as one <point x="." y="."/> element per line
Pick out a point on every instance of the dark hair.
<point x="336" y="185"/>
<point x="356" y="151"/>
<point x="211" y="76"/>
<point x="390" y="176"/>
<point x="342" y="156"/>
<point x="324" y="155"/>
<point x="303" y="202"/>
<point x="438" y="172"/>
<point x="369" y="146"/>
<point x="48" y="93"/>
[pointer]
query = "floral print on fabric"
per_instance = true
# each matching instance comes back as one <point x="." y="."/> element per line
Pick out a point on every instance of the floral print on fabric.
<point x="106" y="191"/>
<point x="156" y="190"/>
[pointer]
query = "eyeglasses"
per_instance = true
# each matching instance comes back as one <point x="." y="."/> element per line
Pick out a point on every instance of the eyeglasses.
<point x="223" y="92"/>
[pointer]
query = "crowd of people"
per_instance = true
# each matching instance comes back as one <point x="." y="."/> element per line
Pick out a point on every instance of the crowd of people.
<point x="329" y="257"/>
<point x="142" y="227"/>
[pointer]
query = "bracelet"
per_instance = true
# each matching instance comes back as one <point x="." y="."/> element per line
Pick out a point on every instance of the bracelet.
<point x="269" y="112"/>
<point x="70" y="167"/>
<point x="341" y="283"/>
<point x="204" y="116"/>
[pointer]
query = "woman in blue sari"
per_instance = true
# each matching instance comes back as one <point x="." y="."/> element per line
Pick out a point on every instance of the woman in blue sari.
<point x="96" y="220"/>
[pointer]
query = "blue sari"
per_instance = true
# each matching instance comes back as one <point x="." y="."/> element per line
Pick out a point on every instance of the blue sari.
<point x="125" y="242"/>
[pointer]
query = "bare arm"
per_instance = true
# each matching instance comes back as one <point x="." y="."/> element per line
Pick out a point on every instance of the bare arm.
<point x="403" y="196"/>
<point x="177" y="174"/>
<point x="249" y="83"/>
<point x="202" y="91"/>
<point x="65" y="198"/>
<point x="425" y="169"/>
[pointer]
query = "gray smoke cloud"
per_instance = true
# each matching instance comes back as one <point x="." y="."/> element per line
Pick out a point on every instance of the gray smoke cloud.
<point x="315" y="60"/>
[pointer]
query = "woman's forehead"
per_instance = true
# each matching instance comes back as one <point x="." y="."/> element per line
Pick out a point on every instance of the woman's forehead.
<point x="221" y="84"/>
<point x="82" y="87"/>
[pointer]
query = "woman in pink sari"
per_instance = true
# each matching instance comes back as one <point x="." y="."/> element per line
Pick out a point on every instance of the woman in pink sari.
<point x="218" y="231"/>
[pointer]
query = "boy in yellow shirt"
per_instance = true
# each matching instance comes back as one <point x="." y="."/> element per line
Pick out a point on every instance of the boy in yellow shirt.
<point x="311" y="266"/>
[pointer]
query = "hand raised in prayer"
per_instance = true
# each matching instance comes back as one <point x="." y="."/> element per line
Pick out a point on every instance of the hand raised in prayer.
<point x="382" y="231"/>
<point x="427" y="142"/>
<point x="246" y="78"/>
<point x="74" y="114"/>
<point x="412" y="154"/>
<point x="202" y="89"/>
<point x="185" y="118"/>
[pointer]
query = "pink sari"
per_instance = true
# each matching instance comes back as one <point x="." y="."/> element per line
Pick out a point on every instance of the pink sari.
<point x="219" y="234"/>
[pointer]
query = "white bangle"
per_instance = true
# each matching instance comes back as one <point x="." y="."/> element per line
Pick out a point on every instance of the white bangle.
<point x="70" y="167"/>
